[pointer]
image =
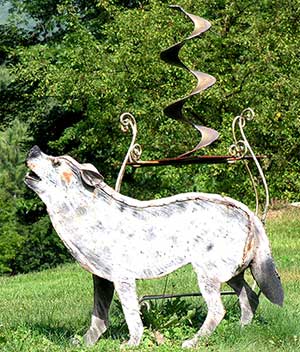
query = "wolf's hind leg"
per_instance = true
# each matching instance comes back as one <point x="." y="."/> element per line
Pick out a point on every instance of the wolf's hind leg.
<point x="103" y="294"/>
<point x="210" y="290"/>
<point x="248" y="299"/>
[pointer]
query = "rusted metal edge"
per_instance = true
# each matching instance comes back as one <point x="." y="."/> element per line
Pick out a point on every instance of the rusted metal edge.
<point x="203" y="159"/>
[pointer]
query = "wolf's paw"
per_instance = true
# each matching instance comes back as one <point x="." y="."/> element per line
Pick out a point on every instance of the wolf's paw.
<point x="77" y="340"/>
<point x="192" y="343"/>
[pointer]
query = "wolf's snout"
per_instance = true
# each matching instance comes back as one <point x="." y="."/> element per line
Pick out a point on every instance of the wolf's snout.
<point x="34" y="152"/>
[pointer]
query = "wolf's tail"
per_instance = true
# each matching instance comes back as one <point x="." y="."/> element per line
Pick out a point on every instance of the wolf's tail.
<point x="263" y="268"/>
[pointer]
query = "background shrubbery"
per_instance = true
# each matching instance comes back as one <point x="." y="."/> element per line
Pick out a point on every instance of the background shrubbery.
<point x="72" y="67"/>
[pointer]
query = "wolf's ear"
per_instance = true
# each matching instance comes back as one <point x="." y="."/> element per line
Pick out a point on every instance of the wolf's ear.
<point x="90" y="175"/>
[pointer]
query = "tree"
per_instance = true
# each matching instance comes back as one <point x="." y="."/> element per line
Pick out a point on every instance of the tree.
<point x="69" y="76"/>
<point x="11" y="189"/>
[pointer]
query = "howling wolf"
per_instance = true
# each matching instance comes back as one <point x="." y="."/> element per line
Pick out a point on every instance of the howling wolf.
<point x="121" y="239"/>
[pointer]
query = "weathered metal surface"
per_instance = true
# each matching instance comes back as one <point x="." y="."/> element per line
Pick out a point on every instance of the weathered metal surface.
<point x="204" y="81"/>
<point x="240" y="148"/>
<point x="134" y="151"/>
<point x="202" y="159"/>
<point x="237" y="151"/>
<point x="121" y="239"/>
<point x="178" y="295"/>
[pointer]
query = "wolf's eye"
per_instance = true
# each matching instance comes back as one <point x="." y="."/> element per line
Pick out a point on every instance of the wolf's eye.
<point x="55" y="162"/>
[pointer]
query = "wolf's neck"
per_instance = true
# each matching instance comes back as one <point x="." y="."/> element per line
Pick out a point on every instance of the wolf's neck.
<point x="110" y="196"/>
<point x="104" y="201"/>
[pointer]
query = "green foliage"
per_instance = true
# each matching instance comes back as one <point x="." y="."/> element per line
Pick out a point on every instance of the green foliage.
<point x="172" y="313"/>
<point x="11" y="175"/>
<point x="12" y="158"/>
<point x="24" y="245"/>
<point x="73" y="67"/>
<point x="41" y="248"/>
<point x="79" y="98"/>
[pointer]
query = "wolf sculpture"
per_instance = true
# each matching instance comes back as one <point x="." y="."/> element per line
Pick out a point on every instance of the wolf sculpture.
<point x="120" y="239"/>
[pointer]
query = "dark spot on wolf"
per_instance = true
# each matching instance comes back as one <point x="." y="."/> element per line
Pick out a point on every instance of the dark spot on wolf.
<point x="107" y="251"/>
<point x="150" y="235"/>
<point x="65" y="208"/>
<point x="210" y="247"/>
<point x="81" y="211"/>
<point x="148" y="272"/>
<point x="173" y="239"/>
<point x="137" y="214"/>
<point x="106" y="270"/>
<point x="181" y="205"/>
<point x="121" y="208"/>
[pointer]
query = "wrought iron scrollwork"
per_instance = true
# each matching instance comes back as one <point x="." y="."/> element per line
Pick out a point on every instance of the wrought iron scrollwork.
<point x="240" y="148"/>
<point x="134" y="152"/>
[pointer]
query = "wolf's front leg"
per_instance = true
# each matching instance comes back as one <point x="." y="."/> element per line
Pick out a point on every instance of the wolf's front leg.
<point x="103" y="294"/>
<point x="130" y="305"/>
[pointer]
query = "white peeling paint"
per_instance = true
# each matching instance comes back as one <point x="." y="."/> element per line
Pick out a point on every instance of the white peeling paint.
<point x="122" y="239"/>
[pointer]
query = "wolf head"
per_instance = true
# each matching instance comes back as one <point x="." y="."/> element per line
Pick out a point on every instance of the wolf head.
<point x="49" y="174"/>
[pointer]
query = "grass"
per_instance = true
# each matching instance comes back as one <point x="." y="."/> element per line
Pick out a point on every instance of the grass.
<point x="43" y="311"/>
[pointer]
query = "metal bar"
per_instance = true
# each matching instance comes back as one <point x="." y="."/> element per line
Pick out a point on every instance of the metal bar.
<point x="179" y="295"/>
<point x="248" y="114"/>
<point x="204" y="159"/>
<point x="240" y="148"/>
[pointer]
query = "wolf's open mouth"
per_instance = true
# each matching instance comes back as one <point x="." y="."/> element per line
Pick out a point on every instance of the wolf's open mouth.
<point x="33" y="176"/>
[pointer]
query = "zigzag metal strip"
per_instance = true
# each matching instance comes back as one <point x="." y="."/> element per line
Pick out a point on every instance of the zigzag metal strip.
<point x="204" y="81"/>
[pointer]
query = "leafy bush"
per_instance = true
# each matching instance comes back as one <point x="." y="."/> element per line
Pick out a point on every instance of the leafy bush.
<point x="27" y="240"/>
<point x="69" y="75"/>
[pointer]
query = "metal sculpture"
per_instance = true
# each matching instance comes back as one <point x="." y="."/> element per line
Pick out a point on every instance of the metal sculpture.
<point x="238" y="151"/>
<point x="134" y="151"/>
<point x="120" y="239"/>
<point x="204" y="81"/>
<point x="240" y="148"/>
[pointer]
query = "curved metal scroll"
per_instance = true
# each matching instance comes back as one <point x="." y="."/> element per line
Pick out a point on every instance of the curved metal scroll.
<point x="240" y="148"/>
<point x="134" y="151"/>
<point x="204" y="81"/>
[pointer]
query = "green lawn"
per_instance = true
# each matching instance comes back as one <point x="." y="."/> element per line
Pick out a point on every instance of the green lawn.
<point x="43" y="311"/>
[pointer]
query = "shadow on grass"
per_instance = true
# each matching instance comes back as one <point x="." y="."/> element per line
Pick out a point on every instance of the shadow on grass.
<point x="156" y="315"/>
<point x="64" y="336"/>
<point x="56" y="334"/>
